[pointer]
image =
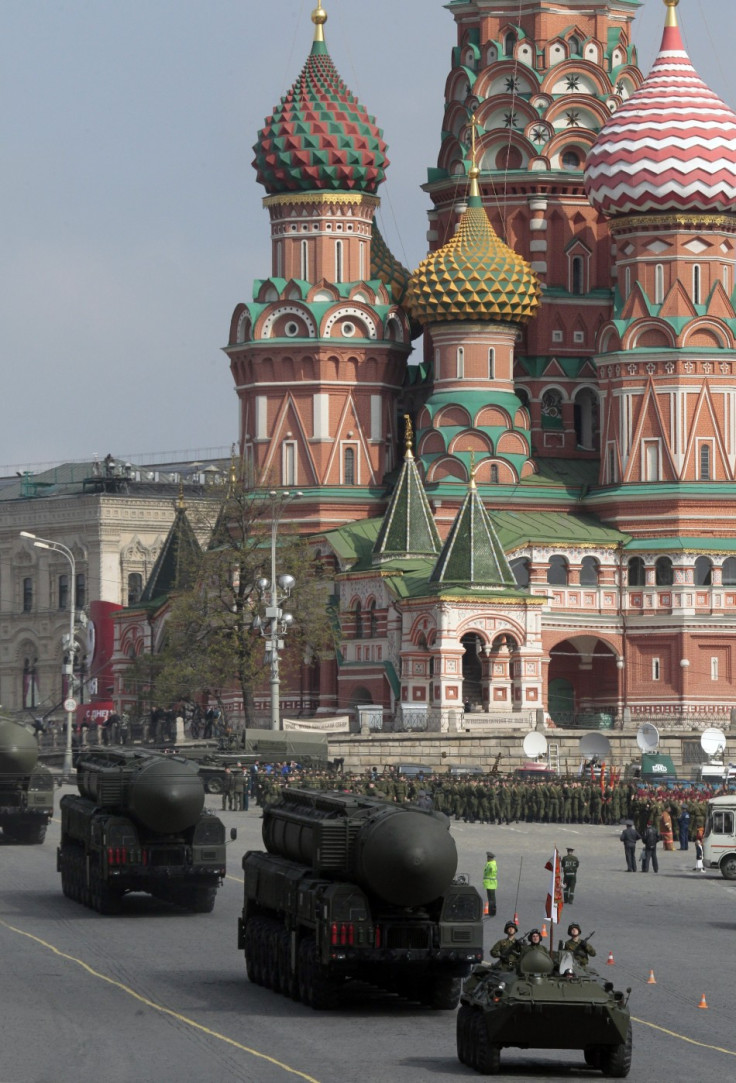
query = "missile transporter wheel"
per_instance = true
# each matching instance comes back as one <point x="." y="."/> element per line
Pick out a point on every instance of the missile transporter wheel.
<point x="616" y="1059"/>
<point x="444" y="992"/>
<point x="316" y="989"/>
<point x="252" y="951"/>
<point x="202" y="899"/>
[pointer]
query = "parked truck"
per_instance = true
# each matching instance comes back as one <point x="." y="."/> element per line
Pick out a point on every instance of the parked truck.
<point x="26" y="786"/>
<point x="353" y="887"/>
<point x="139" y="824"/>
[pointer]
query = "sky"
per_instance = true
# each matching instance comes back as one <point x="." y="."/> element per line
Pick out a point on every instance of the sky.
<point x="132" y="222"/>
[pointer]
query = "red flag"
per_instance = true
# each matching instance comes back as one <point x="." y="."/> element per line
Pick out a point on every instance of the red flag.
<point x="553" y="908"/>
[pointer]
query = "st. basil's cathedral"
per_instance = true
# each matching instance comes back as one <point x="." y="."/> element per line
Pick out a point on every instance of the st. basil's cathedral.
<point x="519" y="458"/>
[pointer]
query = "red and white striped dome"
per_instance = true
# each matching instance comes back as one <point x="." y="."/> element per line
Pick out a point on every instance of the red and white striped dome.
<point x="670" y="147"/>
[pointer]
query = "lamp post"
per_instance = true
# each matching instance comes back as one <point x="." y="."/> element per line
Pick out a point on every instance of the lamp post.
<point x="276" y="621"/>
<point x="58" y="547"/>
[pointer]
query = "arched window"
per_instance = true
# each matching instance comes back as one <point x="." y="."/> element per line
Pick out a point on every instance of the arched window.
<point x="80" y="593"/>
<point x="663" y="575"/>
<point x="589" y="571"/>
<point x="508" y="43"/>
<point x="627" y="282"/>
<point x="27" y="595"/>
<point x="358" y="620"/>
<point x="135" y="587"/>
<point x="697" y="282"/>
<point x="373" y="622"/>
<point x="304" y="261"/>
<point x="658" y="284"/>
<point x="491" y="364"/>
<point x="575" y="46"/>
<point x="705" y="462"/>
<point x="520" y="568"/>
<point x="338" y="261"/>
<point x="460" y="362"/>
<point x="637" y="573"/>
<point x="577" y="284"/>
<point x="494" y="474"/>
<point x="728" y="572"/>
<point x="557" y="571"/>
<point x="348" y="472"/>
<point x="63" y="591"/>
<point x="703" y="572"/>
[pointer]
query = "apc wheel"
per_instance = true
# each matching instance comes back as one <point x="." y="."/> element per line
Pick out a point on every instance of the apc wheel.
<point x="464" y="1017"/>
<point x="214" y="784"/>
<point x="202" y="900"/>
<point x="445" y="993"/>
<point x="592" y="1054"/>
<point x="728" y="867"/>
<point x="616" y="1059"/>
<point x="487" y="1059"/>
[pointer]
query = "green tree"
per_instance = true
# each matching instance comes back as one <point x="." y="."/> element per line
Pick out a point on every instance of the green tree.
<point x="209" y="641"/>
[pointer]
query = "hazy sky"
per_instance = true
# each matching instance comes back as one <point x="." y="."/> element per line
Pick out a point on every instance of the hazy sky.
<point x="132" y="222"/>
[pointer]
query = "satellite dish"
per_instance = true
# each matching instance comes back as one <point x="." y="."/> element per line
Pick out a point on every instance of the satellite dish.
<point x="594" y="744"/>
<point x="535" y="744"/>
<point x="647" y="737"/>
<point x="713" y="742"/>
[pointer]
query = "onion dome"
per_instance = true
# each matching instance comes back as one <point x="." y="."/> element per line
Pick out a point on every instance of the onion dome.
<point x="320" y="138"/>
<point x="671" y="147"/>
<point x="386" y="268"/>
<point x="475" y="276"/>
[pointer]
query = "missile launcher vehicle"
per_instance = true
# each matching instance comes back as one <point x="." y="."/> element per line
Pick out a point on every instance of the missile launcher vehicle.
<point x="352" y="887"/>
<point x="26" y="786"/>
<point x="542" y="1001"/>
<point x="139" y="824"/>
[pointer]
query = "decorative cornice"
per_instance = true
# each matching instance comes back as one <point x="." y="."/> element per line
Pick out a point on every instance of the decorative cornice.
<point x="322" y="197"/>
<point x="682" y="221"/>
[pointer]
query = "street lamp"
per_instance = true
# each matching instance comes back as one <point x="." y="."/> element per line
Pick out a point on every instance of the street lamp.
<point x="57" y="547"/>
<point x="276" y="624"/>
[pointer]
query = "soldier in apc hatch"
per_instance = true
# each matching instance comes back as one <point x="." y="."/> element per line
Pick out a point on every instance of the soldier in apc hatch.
<point x="508" y="948"/>
<point x="581" y="949"/>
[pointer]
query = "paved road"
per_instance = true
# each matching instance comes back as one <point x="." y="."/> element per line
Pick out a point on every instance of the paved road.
<point x="156" y="994"/>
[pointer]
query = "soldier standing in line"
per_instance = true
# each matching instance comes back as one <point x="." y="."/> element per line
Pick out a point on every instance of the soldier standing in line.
<point x="227" y="789"/>
<point x="238" y="783"/>
<point x="490" y="882"/>
<point x="569" y="865"/>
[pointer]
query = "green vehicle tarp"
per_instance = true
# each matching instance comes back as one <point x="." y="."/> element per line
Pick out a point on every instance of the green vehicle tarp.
<point x="655" y="765"/>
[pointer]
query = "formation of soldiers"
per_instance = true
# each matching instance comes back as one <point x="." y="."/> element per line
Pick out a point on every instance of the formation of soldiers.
<point x="498" y="800"/>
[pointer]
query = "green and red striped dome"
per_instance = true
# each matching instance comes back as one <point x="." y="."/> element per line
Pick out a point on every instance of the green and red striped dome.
<point x="320" y="138"/>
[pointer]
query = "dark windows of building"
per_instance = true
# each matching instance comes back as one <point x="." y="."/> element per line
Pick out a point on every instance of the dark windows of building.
<point x="577" y="275"/>
<point x="372" y="620"/>
<point x="80" y="595"/>
<point x="637" y="572"/>
<point x="494" y="474"/>
<point x="575" y="46"/>
<point x="570" y="160"/>
<point x="30" y="683"/>
<point x="589" y="572"/>
<point x="703" y="572"/>
<point x="63" y="591"/>
<point x="27" y="594"/>
<point x="358" y="611"/>
<point x="663" y="575"/>
<point x="349" y="466"/>
<point x="135" y="587"/>
<point x="705" y="462"/>
<point x="520" y="568"/>
<point x="557" y="572"/>
<point x="508" y="43"/>
<point x="728" y="572"/>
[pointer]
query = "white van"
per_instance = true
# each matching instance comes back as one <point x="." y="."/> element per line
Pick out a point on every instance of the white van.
<point x="719" y="844"/>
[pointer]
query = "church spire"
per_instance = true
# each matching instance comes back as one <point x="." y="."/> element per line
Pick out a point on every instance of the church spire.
<point x="472" y="556"/>
<point x="408" y="530"/>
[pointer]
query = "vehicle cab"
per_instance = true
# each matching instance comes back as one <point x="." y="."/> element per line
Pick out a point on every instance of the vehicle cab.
<point x="719" y="843"/>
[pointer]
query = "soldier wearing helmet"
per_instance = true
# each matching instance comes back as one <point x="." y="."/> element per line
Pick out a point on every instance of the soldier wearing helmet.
<point x="582" y="951"/>
<point x="507" y="949"/>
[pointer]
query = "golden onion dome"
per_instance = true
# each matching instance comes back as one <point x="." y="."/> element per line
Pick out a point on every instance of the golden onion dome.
<point x="475" y="276"/>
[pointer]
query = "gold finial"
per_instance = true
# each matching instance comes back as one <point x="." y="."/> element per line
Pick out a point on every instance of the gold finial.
<point x="471" y="482"/>
<point x="671" y="12"/>
<point x="319" y="18"/>
<point x="180" y="502"/>
<point x="408" y="437"/>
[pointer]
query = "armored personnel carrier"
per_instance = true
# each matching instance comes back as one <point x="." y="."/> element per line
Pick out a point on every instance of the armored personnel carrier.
<point x="139" y="824"/>
<point x="542" y="1001"/>
<point x="352" y="887"/>
<point x="26" y="787"/>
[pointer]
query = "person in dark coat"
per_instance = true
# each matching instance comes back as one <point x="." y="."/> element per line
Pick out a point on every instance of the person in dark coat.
<point x="684" y="825"/>
<point x="651" y="838"/>
<point x="629" y="837"/>
<point x="569" y="864"/>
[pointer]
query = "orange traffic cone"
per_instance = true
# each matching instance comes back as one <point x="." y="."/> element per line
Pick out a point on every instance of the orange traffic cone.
<point x="651" y="980"/>
<point x="544" y="929"/>
<point x="703" y="1003"/>
<point x="486" y="911"/>
<point x="610" y="961"/>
